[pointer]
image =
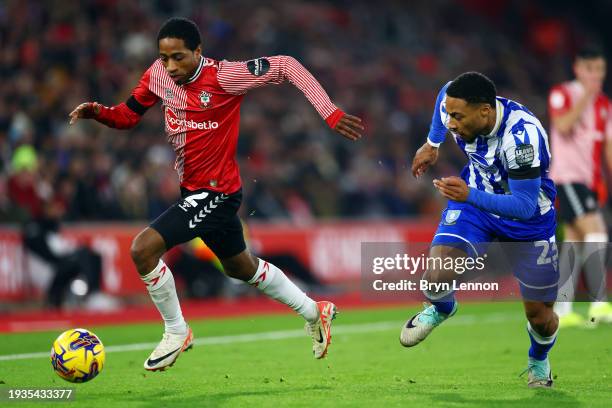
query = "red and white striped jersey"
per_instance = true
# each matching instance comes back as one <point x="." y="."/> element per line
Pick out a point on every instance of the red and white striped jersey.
<point x="577" y="155"/>
<point x="202" y="115"/>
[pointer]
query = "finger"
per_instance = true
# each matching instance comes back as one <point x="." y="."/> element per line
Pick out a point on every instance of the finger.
<point x="453" y="181"/>
<point x="352" y="121"/>
<point x="354" y="130"/>
<point x="443" y="192"/>
<point x="351" y="118"/>
<point x="447" y="194"/>
<point x="419" y="170"/>
<point x="348" y="132"/>
<point x="415" y="167"/>
<point x="442" y="188"/>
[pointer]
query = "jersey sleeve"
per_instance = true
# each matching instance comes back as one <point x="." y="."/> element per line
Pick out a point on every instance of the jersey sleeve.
<point x="437" y="129"/>
<point x="559" y="101"/>
<point x="127" y="115"/>
<point x="238" y="77"/>
<point x="521" y="148"/>
<point x="142" y="98"/>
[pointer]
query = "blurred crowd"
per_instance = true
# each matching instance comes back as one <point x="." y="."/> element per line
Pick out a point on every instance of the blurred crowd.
<point x="384" y="62"/>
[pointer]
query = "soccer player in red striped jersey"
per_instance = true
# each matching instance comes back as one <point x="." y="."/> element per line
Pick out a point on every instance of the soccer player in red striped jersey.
<point x="581" y="132"/>
<point x="201" y="101"/>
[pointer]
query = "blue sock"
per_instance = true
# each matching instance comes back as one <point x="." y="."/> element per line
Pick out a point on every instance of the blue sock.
<point x="445" y="305"/>
<point x="540" y="345"/>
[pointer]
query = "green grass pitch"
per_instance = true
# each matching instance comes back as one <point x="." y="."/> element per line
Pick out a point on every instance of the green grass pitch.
<point x="471" y="360"/>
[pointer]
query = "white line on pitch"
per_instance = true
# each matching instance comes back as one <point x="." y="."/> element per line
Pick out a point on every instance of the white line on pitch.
<point x="290" y="334"/>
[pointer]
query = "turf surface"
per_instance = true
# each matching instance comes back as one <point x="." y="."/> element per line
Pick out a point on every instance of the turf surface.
<point x="472" y="360"/>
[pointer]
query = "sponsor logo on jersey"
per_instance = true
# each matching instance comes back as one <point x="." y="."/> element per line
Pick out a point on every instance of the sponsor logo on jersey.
<point x="482" y="163"/>
<point x="259" y="66"/>
<point x="205" y="98"/>
<point x="174" y="124"/>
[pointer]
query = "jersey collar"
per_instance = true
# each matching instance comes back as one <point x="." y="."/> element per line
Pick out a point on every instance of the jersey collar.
<point x="499" y="115"/>
<point x="197" y="72"/>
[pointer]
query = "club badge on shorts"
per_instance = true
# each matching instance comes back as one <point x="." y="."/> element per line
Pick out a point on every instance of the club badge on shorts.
<point x="451" y="217"/>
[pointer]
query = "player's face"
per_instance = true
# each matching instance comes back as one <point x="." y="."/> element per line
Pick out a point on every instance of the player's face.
<point x="590" y="72"/>
<point x="465" y="119"/>
<point x="180" y="62"/>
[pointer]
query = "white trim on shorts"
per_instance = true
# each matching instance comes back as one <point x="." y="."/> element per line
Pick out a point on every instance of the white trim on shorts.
<point x="536" y="287"/>
<point x="460" y="237"/>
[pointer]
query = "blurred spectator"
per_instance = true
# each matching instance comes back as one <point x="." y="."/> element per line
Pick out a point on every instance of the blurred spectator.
<point x="75" y="268"/>
<point x="383" y="61"/>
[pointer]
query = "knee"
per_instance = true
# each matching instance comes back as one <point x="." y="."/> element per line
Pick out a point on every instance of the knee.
<point x="242" y="268"/>
<point x="541" y="319"/>
<point x="138" y="250"/>
<point x="145" y="250"/>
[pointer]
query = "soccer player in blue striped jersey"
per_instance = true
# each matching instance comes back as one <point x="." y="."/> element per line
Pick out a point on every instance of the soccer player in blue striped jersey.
<point x="504" y="193"/>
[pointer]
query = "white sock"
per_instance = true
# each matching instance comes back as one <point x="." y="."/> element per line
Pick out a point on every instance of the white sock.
<point x="160" y="284"/>
<point x="273" y="282"/>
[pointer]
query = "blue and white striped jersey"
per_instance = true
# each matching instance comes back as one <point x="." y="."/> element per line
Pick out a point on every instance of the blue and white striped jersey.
<point x="518" y="141"/>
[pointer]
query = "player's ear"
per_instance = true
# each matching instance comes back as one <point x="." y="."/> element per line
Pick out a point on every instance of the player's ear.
<point x="485" y="108"/>
<point x="198" y="51"/>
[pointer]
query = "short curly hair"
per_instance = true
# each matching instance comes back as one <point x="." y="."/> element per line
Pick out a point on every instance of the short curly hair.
<point x="183" y="29"/>
<point x="473" y="87"/>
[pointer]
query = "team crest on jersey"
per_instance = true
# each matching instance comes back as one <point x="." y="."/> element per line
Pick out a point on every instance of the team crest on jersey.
<point x="451" y="217"/>
<point x="205" y="99"/>
<point x="169" y="94"/>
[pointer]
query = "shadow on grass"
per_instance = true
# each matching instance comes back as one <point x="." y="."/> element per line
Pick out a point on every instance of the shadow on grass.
<point x="211" y="399"/>
<point x="536" y="398"/>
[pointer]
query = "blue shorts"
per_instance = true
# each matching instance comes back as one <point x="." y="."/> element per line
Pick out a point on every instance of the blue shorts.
<point x="531" y="244"/>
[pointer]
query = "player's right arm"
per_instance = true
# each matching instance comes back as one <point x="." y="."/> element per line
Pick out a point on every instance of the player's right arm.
<point x="563" y="116"/>
<point x="123" y="116"/>
<point x="427" y="154"/>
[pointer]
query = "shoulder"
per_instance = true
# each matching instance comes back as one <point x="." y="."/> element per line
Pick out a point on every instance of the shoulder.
<point x="560" y="96"/>
<point x="210" y="68"/>
<point x="211" y="64"/>
<point x="519" y="122"/>
<point x="155" y="72"/>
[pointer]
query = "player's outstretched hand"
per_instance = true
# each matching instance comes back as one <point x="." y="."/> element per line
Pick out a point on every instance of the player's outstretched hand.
<point x="424" y="157"/>
<point x="86" y="110"/>
<point x="349" y="126"/>
<point x="453" y="188"/>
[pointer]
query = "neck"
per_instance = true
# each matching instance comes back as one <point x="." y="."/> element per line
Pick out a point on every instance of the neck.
<point x="491" y="121"/>
<point x="192" y="71"/>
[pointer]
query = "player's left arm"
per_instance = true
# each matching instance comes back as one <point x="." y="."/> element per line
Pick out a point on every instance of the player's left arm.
<point x="241" y="76"/>
<point x="524" y="181"/>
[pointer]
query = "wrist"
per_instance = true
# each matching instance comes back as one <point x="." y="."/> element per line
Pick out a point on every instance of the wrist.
<point x="471" y="197"/>
<point x="333" y="119"/>
<point x="432" y="143"/>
